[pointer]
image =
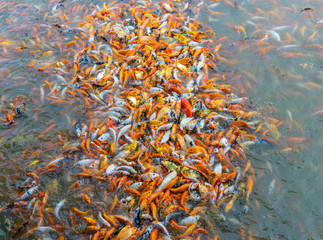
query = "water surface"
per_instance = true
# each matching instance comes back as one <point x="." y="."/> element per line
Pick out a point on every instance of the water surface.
<point x="274" y="58"/>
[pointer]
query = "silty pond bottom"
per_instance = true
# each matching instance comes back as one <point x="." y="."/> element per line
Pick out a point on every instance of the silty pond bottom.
<point x="64" y="64"/>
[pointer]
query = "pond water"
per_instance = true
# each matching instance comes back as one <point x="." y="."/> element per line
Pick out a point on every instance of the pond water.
<point x="272" y="53"/>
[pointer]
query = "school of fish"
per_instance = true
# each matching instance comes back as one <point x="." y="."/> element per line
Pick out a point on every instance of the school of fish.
<point x="162" y="141"/>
